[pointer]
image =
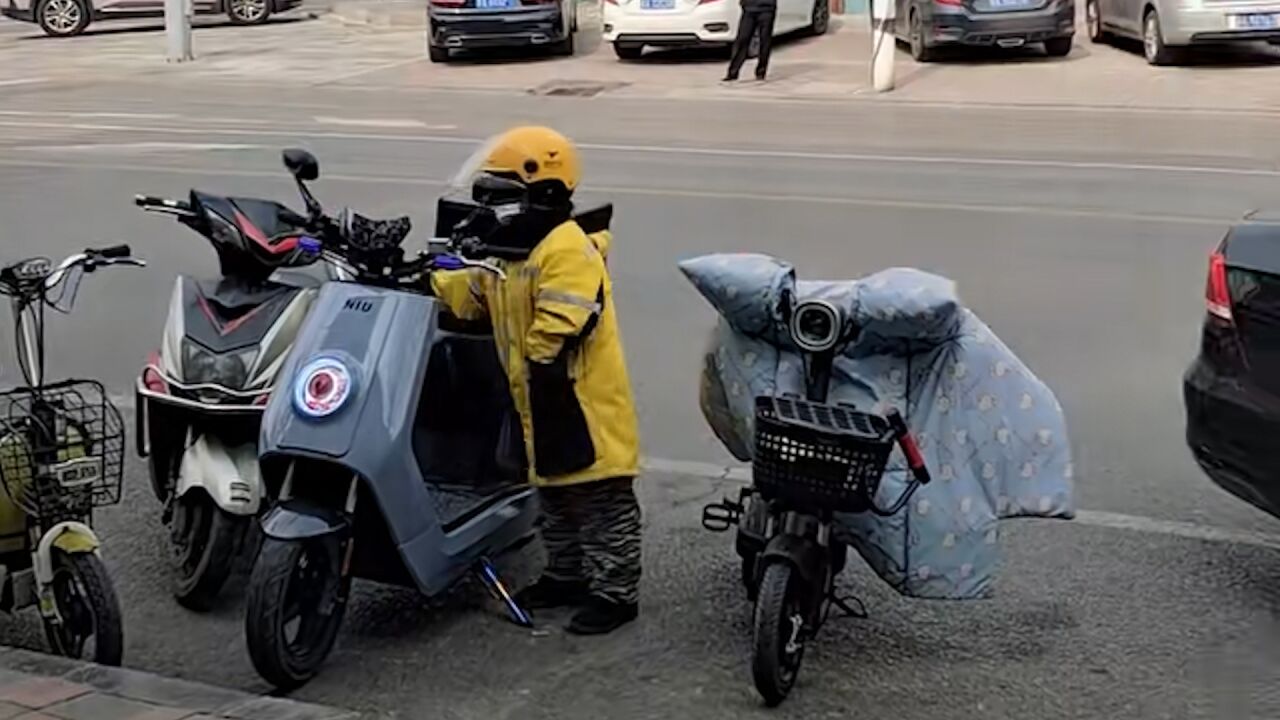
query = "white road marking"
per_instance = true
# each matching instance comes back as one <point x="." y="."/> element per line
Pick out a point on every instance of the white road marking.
<point x="78" y="114"/>
<point x="138" y="147"/>
<point x="23" y="81"/>
<point x="380" y="123"/>
<point x="875" y="203"/>
<point x="685" y="151"/>
<point x="1093" y="518"/>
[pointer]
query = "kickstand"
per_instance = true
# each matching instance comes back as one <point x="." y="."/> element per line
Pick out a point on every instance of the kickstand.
<point x="844" y="603"/>
<point x="489" y="576"/>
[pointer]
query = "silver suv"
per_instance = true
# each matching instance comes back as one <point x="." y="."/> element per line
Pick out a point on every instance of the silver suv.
<point x="64" y="18"/>
<point x="1167" y="26"/>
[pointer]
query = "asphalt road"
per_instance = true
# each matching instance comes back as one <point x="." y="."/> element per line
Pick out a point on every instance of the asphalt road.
<point x="1080" y="237"/>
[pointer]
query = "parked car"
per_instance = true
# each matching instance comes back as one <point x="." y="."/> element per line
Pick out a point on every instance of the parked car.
<point x="1166" y="26"/>
<point x="65" y="18"/>
<point x="1232" y="390"/>
<point x="480" y="24"/>
<point x="931" y="25"/>
<point x="632" y="25"/>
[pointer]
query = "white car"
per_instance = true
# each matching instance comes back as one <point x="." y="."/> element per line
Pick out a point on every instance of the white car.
<point x="632" y="25"/>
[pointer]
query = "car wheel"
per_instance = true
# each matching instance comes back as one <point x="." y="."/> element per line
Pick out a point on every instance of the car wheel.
<point x="920" y="50"/>
<point x="1093" y="20"/>
<point x="438" y="54"/>
<point x="820" y="17"/>
<point x="1058" y="47"/>
<point x="248" y="12"/>
<point x="565" y="47"/>
<point x="63" y="18"/>
<point x="628" y="52"/>
<point x="1153" y="47"/>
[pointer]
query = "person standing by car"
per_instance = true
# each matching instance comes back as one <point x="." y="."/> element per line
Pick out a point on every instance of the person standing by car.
<point x="557" y="335"/>
<point x="756" y="22"/>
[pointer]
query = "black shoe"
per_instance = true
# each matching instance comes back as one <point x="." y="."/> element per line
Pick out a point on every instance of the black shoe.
<point x="549" y="593"/>
<point x="601" y="617"/>
<point x="729" y="78"/>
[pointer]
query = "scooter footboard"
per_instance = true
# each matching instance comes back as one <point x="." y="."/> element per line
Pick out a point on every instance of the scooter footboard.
<point x="438" y="562"/>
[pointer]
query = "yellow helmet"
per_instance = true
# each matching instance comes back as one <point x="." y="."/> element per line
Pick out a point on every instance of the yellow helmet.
<point x="533" y="154"/>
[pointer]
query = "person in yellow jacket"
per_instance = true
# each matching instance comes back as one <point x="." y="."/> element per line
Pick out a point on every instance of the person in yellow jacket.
<point x="556" y="333"/>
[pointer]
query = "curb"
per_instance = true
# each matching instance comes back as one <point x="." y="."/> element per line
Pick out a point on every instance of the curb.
<point x="58" y="687"/>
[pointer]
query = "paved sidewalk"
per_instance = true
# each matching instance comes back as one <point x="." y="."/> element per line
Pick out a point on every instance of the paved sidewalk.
<point x="330" y="52"/>
<point x="44" y="687"/>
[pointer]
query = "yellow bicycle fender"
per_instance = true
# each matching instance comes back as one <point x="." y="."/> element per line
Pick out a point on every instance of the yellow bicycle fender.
<point x="73" y="542"/>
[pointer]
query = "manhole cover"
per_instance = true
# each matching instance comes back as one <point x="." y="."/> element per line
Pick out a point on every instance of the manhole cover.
<point x="575" y="88"/>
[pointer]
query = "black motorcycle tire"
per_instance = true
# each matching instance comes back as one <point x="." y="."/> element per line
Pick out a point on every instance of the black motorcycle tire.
<point x="88" y="606"/>
<point x="772" y="667"/>
<point x="214" y="538"/>
<point x="287" y="664"/>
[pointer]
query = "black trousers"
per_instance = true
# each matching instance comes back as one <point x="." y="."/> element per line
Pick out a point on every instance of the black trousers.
<point x="592" y="534"/>
<point x="754" y="22"/>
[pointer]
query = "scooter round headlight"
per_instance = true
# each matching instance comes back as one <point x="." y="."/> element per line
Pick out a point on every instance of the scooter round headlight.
<point x="815" y="326"/>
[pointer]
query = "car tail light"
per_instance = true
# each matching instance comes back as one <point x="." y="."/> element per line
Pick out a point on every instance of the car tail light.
<point x="611" y="2"/>
<point x="952" y="3"/>
<point x="707" y="2"/>
<point x="1216" y="294"/>
<point x="449" y="3"/>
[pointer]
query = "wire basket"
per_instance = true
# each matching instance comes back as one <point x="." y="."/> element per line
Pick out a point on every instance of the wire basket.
<point x="61" y="450"/>
<point x="819" y="457"/>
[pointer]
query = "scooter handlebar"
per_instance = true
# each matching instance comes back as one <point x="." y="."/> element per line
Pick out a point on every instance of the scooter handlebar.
<point x="911" y="450"/>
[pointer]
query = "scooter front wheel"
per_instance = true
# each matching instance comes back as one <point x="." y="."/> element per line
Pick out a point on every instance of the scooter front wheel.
<point x="779" y="632"/>
<point x="88" y="610"/>
<point x="294" y="609"/>
<point x="206" y="543"/>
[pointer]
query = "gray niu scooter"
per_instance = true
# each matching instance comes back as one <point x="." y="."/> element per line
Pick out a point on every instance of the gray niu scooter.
<point x="387" y="446"/>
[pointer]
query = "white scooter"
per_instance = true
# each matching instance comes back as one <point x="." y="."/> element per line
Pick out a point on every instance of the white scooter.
<point x="201" y="396"/>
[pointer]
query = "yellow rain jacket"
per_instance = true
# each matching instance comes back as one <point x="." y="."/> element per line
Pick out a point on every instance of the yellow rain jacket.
<point x="557" y="336"/>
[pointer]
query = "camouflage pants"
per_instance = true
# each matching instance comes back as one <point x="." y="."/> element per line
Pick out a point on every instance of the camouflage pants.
<point x="592" y="533"/>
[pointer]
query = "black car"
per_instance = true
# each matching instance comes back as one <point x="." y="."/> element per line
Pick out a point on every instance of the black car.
<point x="1232" y="390"/>
<point x="479" y="24"/>
<point x="930" y="25"/>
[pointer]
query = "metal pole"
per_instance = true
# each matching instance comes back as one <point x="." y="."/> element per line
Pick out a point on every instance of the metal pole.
<point x="177" y="30"/>
<point x="883" y="47"/>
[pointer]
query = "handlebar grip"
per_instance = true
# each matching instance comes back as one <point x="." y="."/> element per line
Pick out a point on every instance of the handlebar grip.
<point x="145" y="200"/>
<point x="111" y="253"/>
<point x="907" y="441"/>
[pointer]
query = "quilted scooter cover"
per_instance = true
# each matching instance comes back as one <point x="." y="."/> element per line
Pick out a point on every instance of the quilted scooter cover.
<point x="993" y="435"/>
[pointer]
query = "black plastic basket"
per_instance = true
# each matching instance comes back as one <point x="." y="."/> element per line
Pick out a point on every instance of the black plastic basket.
<point x="63" y="474"/>
<point x="819" y="457"/>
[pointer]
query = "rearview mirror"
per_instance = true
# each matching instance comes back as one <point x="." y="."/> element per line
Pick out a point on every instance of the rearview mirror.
<point x="302" y="164"/>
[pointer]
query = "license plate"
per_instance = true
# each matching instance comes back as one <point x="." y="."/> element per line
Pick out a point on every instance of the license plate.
<point x="495" y="4"/>
<point x="1010" y="4"/>
<point x="1268" y="21"/>
<point x="657" y="4"/>
<point x="77" y="473"/>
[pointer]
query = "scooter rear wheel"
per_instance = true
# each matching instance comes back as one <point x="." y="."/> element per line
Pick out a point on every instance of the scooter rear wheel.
<point x="779" y="632"/>
<point x="291" y="620"/>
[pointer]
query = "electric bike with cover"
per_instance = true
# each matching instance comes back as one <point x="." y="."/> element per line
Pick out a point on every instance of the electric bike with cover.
<point x="61" y="456"/>
<point x="811" y="460"/>
<point x="201" y="396"/>
<point x="388" y="450"/>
